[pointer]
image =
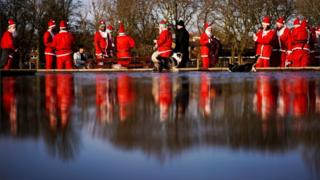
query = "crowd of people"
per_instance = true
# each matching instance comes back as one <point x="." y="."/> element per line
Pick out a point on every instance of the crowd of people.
<point x="284" y="47"/>
<point x="280" y="47"/>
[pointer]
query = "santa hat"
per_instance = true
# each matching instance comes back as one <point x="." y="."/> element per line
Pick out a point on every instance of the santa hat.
<point x="63" y="25"/>
<point x="121" y="28"/>
<point x="206" y="26"/>
<point x="281" y="20"/>
<point x="163" y="23"/>
<point x="102" y="24"/>
<point x="11" y="23"/>
<point x="266" y="20"/>
<point x="51" y="23"/>
<point x="296" y="22"/>
<point x="109" y="27"/>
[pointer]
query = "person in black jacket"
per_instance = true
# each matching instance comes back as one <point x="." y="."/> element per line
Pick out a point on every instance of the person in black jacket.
<point x="182" y="43"/>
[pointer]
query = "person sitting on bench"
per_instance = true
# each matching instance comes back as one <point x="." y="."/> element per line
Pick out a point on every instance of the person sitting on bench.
<point x="80" y="58"/>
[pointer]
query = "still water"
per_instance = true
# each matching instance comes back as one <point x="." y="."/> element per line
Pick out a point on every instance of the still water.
<point x="160" y="126"/>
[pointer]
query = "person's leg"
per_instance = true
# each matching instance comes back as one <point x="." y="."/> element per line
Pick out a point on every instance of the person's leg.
<point x="9" y="63"/>
<point x="296" y="58"/>
<point x="68" y="62"/>
<point x="4" y="57"/>
<point x="154" y="59"/>
<point x="266" y="63"/>
<point x="205" y="62"/>
<point x="305" y="59"/>
<point x="59" y="62"/>
<point x="49" y="61"/>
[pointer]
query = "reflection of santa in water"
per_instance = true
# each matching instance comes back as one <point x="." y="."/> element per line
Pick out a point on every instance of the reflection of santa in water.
<point x="126" y="96"/>
<point x="204" y="100"/>
<point x="51" y="99"/>
<point x="300" y="96"/>
<point x="65" y="94"/>
<point x="265" y="98"/>
<point x="10" y="102"/>
<point x="104" y="108"/>
<point x="284" y="101"/>
<point x="165" y="96"/>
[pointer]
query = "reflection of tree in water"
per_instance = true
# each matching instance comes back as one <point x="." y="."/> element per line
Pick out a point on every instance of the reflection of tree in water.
<point x="232" y="122"/>
<point x="63" y="143"/>
<point x="308" y="134"/>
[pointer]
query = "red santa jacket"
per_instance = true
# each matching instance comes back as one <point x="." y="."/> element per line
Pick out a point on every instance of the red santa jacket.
<point x="284" y="39"/>
<point x="124" y="44"/>
<point x="47" y="41"/>
<point x="164" y="43"/>
<point x="258" y="45"/>
<point x="7" y="41"/>
<point x="100" y="44"/>
<point x="299" y="39"/>
<point x="265" y="40"/>
<point x="204" y="42"/>
<point x="63" y="43"/>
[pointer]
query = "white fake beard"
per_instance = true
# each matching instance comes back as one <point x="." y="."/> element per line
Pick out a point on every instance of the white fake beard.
<point x="208" y="33"/>
<point x="13" y="32"/>
<point x="103" y="34"/>
<point x="108" y="31"/>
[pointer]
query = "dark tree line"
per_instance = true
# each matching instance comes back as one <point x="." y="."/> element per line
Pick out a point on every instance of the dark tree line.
<point x="233" y="21"/>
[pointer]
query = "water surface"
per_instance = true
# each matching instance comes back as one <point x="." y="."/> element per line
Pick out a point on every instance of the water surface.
<point x="158" y="126"/>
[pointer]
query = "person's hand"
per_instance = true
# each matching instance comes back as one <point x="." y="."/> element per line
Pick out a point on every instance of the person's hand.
<point x="287" y="63"/>
<point x="255" y="37"/>
<point x="155" y="41"/>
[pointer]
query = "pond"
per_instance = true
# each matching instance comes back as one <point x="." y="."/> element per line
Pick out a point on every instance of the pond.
<point x="192" y="125"/>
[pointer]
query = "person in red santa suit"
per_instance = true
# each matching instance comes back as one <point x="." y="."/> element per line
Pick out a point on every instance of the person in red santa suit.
<point x="311" y="42"/>
<point x="47" y="41"/>
<point x="163" y="45"/>
<point x="205" y="39"/>
<point x="299" y="43"/>
<point x="317" y="46"/>
<point x="264" y="38"/>
<point x="8" y="46"/>
<point x="100" y="43"/>
<point x="283" y="39"/>
<point x="110" y="42"/>
<point x="210" y="46"/>
<point x="124" y="45"/>
<point x="63" y="43"/>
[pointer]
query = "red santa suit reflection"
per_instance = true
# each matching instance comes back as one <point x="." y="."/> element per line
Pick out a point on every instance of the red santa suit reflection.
<point x="65" y="95"/>
<point x="51" y="99"/>
<point x="300" y="96"/>
<point x="165" y="96"/>
<point x="10" y="102"/>
<point x="126" y="96"/>
<point x="284" y="99"/>
<point x="104" y="108"/>
<point x="204" y="100"/>
<point x="265" y="100"/>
